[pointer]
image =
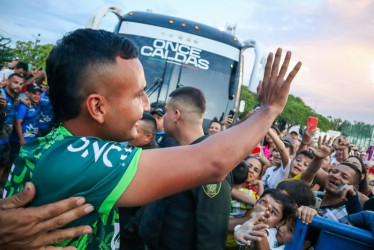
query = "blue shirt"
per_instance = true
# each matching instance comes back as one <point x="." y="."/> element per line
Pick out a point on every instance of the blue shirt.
<point x="46" y="112"/>
<point x="30" y="121"/>
<point x="10" y="110"/>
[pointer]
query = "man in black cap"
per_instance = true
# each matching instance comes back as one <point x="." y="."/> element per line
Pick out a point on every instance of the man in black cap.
<point x="163" y="140"/>
<point x="26" y="120"/>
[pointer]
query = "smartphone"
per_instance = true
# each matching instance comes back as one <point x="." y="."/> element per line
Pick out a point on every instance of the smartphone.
<point x="312" y="123"/>
<point x="256" y="151"/>
<point x="231" y="113"/>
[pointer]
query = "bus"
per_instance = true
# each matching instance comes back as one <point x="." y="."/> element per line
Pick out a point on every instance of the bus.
<point x="176" y="52"/>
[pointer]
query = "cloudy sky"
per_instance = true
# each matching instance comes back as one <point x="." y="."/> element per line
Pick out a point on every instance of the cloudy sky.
<point x="333" y="38"/>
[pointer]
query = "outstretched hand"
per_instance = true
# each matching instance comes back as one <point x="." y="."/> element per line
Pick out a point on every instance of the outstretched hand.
<point x="273" y="90"/>
<point x="308" y="136"/>
<point x="324" y="148"/>
<point x="340" y="142"/>
<point x="306" y="214"/>
<point x="34" y="227"/>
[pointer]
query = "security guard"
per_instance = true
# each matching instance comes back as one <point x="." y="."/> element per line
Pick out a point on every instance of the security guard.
<point x="196" y="218"/>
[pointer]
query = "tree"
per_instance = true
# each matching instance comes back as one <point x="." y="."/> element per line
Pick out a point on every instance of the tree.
<point x="250" y="100"/>
<point x="334" y="122"/>
<point x="295" y="113"/>
<point x="32" y="52"/>
<point x="323" y="122"/>
<point x="6" y="53"/>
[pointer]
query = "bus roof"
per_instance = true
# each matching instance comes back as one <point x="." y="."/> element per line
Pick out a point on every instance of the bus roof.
<point x="183" y="25"/>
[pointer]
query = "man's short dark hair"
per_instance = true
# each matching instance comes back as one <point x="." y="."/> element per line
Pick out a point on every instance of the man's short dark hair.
<point x="299" y="192"/>
<point x="22" y="65"/>
<point x="240" y="173"/>
<point x="282" y="198"/>
<point x="74" y="58"/>
<point x="192" y="96"/>
<point x="13" y="75"/>
<point x="305" y="153"/>
<point x="151" y="124"/>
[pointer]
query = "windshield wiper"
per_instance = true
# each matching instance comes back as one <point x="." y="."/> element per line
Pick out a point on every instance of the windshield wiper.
<point x="157" y="84"/>
<point x="154" y="87"/>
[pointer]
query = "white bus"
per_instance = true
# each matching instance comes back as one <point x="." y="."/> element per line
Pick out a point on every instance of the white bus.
<point x="177" y="52"/>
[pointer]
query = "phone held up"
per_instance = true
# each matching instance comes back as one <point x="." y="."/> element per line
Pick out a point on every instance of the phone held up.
<point x="312" y="123"/>
<point x="256" y="151"/>
<point x="231" y="113"/>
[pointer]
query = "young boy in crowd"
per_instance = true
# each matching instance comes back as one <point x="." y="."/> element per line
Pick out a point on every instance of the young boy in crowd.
<point x="280" y="231"/>
<point x="276" y="206"/>
<point x="281" y="157"/>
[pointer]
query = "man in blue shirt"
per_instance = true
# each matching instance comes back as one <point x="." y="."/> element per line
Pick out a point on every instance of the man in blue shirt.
<point x="8" y="96"/>
<point x="26" y="120"/>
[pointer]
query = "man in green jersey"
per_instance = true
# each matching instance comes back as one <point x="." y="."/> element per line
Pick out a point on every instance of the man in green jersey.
<point x="97" y="90"/>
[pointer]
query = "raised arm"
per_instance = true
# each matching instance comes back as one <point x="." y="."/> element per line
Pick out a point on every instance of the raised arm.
<point x="211" y="160"/>
<point x="283" y="151"/>
<point x="307" y="139"/>
<point x="243" y="197"/>
<point x="320" y="153"/>
<point x="338" y="143"/>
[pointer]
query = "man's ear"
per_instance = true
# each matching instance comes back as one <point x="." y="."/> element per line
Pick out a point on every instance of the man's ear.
<point x="96" y="107"/>
<point x="148" y="137"/>
<point x="178" y="115"/>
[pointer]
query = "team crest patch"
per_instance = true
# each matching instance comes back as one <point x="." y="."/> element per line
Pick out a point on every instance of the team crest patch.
<point x="212" y="189"/>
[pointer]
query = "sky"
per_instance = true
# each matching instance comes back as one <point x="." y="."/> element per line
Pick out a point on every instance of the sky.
<point x="334" y="39"/>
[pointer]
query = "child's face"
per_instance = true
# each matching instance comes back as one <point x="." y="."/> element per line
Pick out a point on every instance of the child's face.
<point x="276" y="158"/>
<point x="276" y="214"/>
<point x="299" y="164"/>
<point x="285" y="231"/>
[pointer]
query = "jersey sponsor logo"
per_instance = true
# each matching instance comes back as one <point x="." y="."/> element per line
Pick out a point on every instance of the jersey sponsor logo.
<point x="212" y="190"/>
<point x="175" y="52"/>
<point x="100" y="153"/>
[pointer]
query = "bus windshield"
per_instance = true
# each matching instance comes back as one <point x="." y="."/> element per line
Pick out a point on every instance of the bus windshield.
<point x="170" y="63"/>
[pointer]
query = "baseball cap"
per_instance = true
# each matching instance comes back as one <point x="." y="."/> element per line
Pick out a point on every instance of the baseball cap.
<point x="33" y="88"/>
<point x="288" y="139"/>
<point x="159" y="111"/>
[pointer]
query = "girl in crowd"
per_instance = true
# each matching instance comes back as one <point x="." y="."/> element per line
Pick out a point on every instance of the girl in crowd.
<point x="268" y="144"/>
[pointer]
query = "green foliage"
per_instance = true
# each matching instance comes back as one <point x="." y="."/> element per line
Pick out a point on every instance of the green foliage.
<point x="31" y="52"/>
<point x="323" y="122"/>
<point x="6" y="53"/>
<point x="250" y="100"/>
<point x="296" y="112"/>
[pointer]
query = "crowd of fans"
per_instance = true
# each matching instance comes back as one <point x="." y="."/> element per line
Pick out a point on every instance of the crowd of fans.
<point x="328" y="177"/>
<point x="288" y="176"/>
<point x="26" y="111"/>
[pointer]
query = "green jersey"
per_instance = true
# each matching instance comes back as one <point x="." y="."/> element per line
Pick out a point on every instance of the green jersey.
<point x="62" y="165"/>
